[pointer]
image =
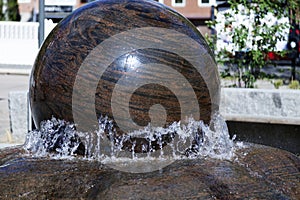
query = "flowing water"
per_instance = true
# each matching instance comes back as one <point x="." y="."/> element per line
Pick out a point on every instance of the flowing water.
<point x="187" y="140"/>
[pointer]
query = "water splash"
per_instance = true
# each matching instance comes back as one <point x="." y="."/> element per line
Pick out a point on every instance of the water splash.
<point x="181" y="140"/>
<point x="55" y="137"/>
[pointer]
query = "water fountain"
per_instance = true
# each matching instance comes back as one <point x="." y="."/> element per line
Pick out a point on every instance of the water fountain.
<point x="125" y="97"/>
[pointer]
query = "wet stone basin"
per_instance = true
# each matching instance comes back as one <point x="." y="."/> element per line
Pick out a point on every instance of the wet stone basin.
<point x="257" y="172"/>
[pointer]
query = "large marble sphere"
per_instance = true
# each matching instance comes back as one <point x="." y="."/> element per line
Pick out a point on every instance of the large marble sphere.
<point x="133" y="61"/>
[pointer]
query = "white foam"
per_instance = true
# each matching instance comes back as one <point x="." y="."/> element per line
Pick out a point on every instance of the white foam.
<point x="191" y="139"/>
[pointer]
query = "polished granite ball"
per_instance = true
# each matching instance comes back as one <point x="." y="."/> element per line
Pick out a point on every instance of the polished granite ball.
<point x="129" y="62"/>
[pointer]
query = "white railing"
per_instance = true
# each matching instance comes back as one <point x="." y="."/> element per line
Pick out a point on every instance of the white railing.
<point x="19" y="42"/>
<point x="18" y="30"/>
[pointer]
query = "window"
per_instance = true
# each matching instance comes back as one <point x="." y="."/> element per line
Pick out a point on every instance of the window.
<point x="203" y="3"/>
<point x="160" y="1"/>
<point x="178" y="3"/>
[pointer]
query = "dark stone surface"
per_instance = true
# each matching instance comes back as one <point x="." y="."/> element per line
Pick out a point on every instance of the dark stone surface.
<point x="75" y="37"/>
<point x="259" y="172"/>
<point x="283" y="136"/>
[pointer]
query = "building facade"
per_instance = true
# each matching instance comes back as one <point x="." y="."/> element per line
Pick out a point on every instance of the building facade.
<point x="197" y="11"/>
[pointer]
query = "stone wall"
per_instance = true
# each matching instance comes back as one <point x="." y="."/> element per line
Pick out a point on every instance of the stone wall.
<point x="237" y="105"/>
<point x="261" y="105"/>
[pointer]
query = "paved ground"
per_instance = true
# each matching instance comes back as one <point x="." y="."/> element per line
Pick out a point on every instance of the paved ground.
<point x="9" y="83"/>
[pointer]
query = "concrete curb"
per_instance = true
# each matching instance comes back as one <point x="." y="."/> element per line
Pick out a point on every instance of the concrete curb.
<point x="6" y="145"/>
<point x="15" y="71"/>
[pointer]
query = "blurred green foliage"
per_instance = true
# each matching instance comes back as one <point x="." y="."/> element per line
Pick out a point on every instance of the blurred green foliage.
<point x="1" y="11"/>
<point x="278" y="83"/>
<point x="294" y="84"/>
<point x="11" y="13"/>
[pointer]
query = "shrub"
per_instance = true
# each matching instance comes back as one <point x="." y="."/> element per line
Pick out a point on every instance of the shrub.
<point x="278" y="83"/>
<point x="250" y="33"/>
<point x="294" y="85"/>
